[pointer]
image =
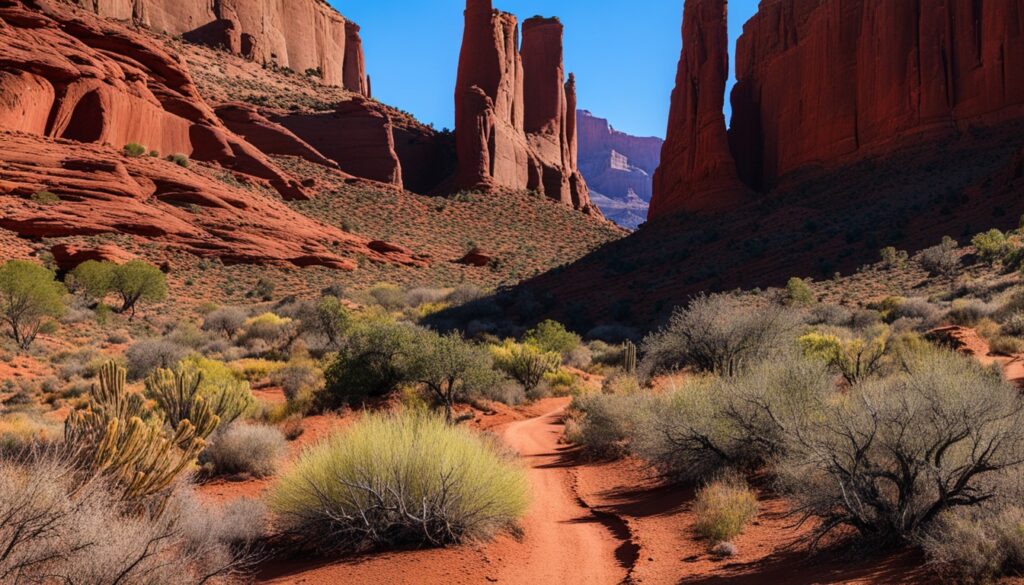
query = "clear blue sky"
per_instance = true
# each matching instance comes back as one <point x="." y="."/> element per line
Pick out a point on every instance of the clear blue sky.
<point x="624" y="54"/>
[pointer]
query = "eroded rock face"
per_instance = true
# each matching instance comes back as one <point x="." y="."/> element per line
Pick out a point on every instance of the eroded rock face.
<point x="269" y="137"/>
<point x="300" y="34"/>
<point x="697" y="172"/>
<point x="618" y="167"/>
<point x="68" y="74"/>
<point x="512" y="108"/>
<point x="828" y="83"/>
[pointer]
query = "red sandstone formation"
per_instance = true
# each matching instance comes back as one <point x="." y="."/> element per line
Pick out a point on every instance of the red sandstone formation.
<point x="828" y="83"/>
<point x="69" y="256"/>
<point x="68" y="74"/>
<point x="103" y="192"/>
<point x="512" y="108"/>
<point x="477" y="257"/>
<point x="299" y="34"/>
<point x="269" y="137"/>
<point x="697" y="171"/>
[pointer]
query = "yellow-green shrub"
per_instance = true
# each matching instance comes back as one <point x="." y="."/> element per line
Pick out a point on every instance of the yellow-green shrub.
<point x="724" y="507"/>
<point x="409" y="478"/>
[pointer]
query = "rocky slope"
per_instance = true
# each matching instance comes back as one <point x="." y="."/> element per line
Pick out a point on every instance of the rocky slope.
<point x="824" y="84"/>
<point x="513" y="108"/>
<point x="618" y="168"/>
<point x="303" y="35"/>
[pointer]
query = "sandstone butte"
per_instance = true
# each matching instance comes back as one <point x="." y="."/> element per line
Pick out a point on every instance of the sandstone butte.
<point x="827" y="83"/>
<point x="75" y="88"/>
<point x="514" y="108"/>
<point x="615" y="163"/>
<point x="300" y="34"/>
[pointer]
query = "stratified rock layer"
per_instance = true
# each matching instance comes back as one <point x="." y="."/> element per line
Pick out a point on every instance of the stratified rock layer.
<point x="513" y="107"/>
<point x="299" y="34"/>
<point x="827" y="83"/>
<point x="697" y="171"/>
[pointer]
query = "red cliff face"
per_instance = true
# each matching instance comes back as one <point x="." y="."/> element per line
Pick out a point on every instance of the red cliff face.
<point x="512" y="108"/>
<point x="823" y="84"/>
<point x="697" y="171"/>
<point x="300" y="34"/>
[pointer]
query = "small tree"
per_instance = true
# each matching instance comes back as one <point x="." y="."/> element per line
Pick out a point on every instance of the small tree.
<point x="373" y="362"/>
<point x="525" y="363"/>
<point x="799" y="293"/>
<point x="29" y="298"/>
<point x="450" y="368"/>
<point x="138" y="281"/>
<point x="552" y="336"/>
<point x="992" y="246"/>
<point x="331" y="320"/>
<point x="893" y="258"/>
<point x="94" y="278"/>
<point x="942" y="260"/>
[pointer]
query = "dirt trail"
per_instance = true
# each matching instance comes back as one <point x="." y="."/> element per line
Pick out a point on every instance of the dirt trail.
<point x="565" y="541"/>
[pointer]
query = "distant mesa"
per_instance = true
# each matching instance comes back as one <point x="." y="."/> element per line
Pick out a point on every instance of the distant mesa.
<point x="618" y="168"/>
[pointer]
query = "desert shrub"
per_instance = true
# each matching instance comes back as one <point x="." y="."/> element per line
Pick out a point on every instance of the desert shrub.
<point x="723" y="508"/>
<point x="976" y="546"/>
<point x="1004" y="345"/>
<point x="505" y="391"/>
<point x="624" y="383"/>
<point x="829" y="314"/>
<point x="969" y="312"/>
<point x="916" y="308"/>
<point x="992" y="246"/>
<point x="57" y="529"/>
<point x="799" y="293"/>
<point x="552" y="336"/>
<point x="330" y="320"/>
<point x="719" y="334"/>
<point x="254" y="370"/>
<point x="373" y="363"/>
<point x="450" y="368"/>
<point x="1014" y="325"/>
<point x="941" y="260"/>
<point x="399" y="479"/>
<point x="179" y="159"/>
<point x="187" y="334"/>
<point x="45" y="197"/>
<point x="707" y="425"/>
<point x="147" y="355"/>
<point x="855" y="357"/>
<point x="94" y="278"/>
<point x="893" y="258"/>
<point x="525" y="363"/>
<point x="605" y="423"/>
<point x="894" y="454"/>
<point x="137" y="282"/>
<point x="465" y="293"/>
<point x="298" y="378"/>
<point x="23" y="431"/>
<point x="134" y="150"/>
<point x="388" y="296"/>
<point x="580" y="357"/>
<point x="268" y="330"/>
<point x="426" y="296"/>
<point x="226" y="320"/>
<point x="245" y="448"/>
<point x="30" y="298"/>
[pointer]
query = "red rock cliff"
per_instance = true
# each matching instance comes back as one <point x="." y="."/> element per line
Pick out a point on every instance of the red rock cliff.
<point x="512" y="108"/>
<point x="826" y="83"/>
<point x="300" y="34"/>
<point x="697" y="171"/>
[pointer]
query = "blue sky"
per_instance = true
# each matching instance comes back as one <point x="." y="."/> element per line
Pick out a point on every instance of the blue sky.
<point x="624" y="54"/>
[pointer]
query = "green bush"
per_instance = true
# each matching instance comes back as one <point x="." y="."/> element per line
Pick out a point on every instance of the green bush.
<point x="525" y="363"/>
<point x="94" y="278"/>
<point x="893" y="455"/>
<point x="30" y="298"/>
<point x="45" y="198"/>
<point x="179" y="159"/>
<point x="723" y="508"/>
<point x="391" y="480"/>
<point x="855" y="357"/>
<point x="552" y="336"/>
<point x="373" y="362"/>
<point x="451" y="368"/>
<point x="389" y="296"/>
<point x="134" y="150"/>
<point x="992" y="246"/>
<point x="136" y="282"/>
<point x="894" y="259"/>
<point x="799" y="293"/>
<point x="603" y="424"/>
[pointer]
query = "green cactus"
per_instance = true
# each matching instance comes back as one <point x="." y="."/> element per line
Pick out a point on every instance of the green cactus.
<point x="113" y="441"/>
<point x="177" y="396"/>
<point x="629" y="357"/>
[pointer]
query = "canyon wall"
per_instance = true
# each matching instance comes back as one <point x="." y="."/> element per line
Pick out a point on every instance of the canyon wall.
<point x="827" y="83"/>
<point x="619" y="169"/>
<point x="299" y="34"/>
<point x="513" y="108"/>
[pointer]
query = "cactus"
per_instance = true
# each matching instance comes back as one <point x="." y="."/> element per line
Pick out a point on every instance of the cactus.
<point x="177" y="396"/>
<point x="113" y="441"/>
<point x="629" y="357"/>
